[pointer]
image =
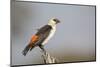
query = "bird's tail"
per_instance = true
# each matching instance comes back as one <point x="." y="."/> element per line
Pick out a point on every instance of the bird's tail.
<point x="27" y="48"/>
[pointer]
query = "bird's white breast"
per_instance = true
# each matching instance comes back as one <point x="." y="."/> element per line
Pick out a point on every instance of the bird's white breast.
<point x="50" y="35"/>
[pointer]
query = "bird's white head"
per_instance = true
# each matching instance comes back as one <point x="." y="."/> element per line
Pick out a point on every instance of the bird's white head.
<point x="53" y="22"/>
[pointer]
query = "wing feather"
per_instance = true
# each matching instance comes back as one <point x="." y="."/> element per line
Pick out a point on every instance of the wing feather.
<point x="38" y="38"/>
<point x="43" y="33"/>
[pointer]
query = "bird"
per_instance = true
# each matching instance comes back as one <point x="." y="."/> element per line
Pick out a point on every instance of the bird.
<point x="42" y="36"/>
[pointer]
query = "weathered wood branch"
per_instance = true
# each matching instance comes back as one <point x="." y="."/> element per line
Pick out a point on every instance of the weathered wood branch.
<point x="47" y="58"/>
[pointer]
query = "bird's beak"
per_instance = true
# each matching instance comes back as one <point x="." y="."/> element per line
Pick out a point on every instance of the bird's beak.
<point x="57" y="21"/>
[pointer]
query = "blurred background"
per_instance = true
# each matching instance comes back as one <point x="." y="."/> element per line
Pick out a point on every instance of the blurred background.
<point x="73" y="41"/>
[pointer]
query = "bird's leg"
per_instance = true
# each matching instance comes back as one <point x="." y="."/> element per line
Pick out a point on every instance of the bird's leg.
<point x="44" y="53"/>
<point x="42" y="48"/>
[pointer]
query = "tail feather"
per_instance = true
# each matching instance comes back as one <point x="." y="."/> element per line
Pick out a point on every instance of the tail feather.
<point x="27" y="48"/>
<point x="32" y="46"/>
<point x="24" y="52"/>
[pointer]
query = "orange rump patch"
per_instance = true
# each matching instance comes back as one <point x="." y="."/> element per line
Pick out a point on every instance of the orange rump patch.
<point x="34" y="38"/>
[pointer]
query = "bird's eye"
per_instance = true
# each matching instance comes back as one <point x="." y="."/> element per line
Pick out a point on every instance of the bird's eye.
<point x="56" y="20"/>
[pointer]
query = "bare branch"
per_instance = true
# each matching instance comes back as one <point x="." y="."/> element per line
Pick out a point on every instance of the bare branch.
<point x="47" y="58"/>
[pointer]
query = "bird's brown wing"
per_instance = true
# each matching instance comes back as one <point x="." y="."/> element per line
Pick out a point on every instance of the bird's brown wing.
<point x="38" y="38"/>
<point x="42" y="34"/>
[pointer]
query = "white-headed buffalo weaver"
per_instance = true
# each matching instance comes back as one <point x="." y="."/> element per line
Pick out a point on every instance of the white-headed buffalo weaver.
<point x="42" y="36"/>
